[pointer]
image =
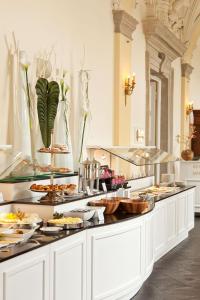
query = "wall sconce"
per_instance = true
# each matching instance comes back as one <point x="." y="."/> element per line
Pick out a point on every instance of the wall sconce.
<point x="129" y="86"/>
<point x="189" y="108"/>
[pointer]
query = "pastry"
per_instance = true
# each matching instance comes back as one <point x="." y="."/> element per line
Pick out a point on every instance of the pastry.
<point x="56" y="148"/>
<point x="69" y="188"/>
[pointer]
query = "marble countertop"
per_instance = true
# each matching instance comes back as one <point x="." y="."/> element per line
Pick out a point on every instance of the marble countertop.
<point x="39" y="239"/>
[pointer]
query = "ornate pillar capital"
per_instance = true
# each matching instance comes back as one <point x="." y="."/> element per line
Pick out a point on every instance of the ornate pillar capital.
<point x="186" y="70"/>
<point x="124" y="23"/>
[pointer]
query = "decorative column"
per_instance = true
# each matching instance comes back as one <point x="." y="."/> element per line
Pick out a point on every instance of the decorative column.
<point x="124" y="25"/>
<point x="186" y="70"/>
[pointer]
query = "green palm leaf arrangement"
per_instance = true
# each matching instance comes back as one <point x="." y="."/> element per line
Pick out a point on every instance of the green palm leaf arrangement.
<point x="47" y="105"/>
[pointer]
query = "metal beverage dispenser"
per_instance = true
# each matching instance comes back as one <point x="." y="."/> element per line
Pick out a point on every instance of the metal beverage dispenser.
<point x="89" y="175"/>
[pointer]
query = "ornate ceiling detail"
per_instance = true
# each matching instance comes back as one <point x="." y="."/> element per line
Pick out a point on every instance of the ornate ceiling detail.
<point x="171" y="13"/>
<point x="124" y="23"/>
<point x="116" y="4"/>
<point x="181" y="17"/>
<point x="160" y="37"/>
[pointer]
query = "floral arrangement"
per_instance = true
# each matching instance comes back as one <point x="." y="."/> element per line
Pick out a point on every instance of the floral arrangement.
<point x="84" y="80"/>
<point x="186" y="139"/>
<point x="64" y="89"/>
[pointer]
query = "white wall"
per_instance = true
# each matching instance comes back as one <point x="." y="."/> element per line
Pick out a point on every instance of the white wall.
<point x="68" y="25"/>
<point x="138" y="66"/>
<point x="195" y="78"/>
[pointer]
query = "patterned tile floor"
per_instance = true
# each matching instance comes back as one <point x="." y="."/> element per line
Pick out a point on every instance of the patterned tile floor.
<point x="176" y="276"/>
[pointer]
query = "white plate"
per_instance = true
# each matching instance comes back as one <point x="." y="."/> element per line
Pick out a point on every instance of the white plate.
<point x="50" y="229"/>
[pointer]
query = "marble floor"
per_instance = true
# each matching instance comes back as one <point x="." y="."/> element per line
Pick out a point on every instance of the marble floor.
<point x="176" y="276"/>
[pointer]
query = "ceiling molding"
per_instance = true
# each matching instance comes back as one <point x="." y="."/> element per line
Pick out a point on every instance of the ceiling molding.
<point x="124" y="23"/>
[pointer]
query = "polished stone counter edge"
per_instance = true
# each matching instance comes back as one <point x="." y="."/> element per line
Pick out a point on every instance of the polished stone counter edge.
<point x="109" y="220"/>
<point x="28" y="246"/>
<point x="165" y="196"/>
<point x="33" y="201"/>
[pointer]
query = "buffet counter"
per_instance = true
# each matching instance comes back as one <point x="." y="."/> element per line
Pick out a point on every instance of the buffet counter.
<point x="104" y="260"/>
<point x="189" y="172"/>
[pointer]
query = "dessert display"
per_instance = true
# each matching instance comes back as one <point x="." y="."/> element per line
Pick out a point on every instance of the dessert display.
<point x="54" y="192"/>
<point x="66" y="222"/>
<point x="56" y="148"/>
<point x="47" y="109"/>
<point x="68" y="188"/>
<point x="49" y="168"/>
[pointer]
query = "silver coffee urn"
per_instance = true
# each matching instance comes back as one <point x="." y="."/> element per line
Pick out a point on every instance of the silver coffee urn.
<point x="89" y="175"/>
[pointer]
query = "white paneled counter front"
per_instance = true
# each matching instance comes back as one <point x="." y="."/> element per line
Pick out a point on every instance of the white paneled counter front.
<point x="189" y="172"/>
<point x="102" y="262"/>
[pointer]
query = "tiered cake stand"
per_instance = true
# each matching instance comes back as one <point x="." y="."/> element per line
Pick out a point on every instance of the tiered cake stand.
<point x="52" y="196"/>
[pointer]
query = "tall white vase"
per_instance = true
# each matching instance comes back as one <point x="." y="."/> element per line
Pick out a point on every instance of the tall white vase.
<point x="62" y="136"/>
<point x="22" y="103"/>
<point x="21" y="130"/>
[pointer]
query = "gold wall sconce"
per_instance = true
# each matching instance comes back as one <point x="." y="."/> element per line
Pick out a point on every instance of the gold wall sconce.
<point x="189" y="108"/>
<point x="129" y="86"/>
